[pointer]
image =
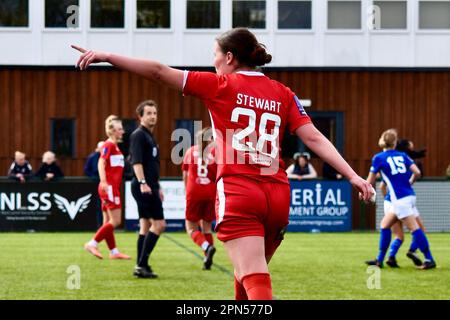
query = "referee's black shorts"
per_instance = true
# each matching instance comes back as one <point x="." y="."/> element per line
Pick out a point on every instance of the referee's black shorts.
<point x="149" y="205"/>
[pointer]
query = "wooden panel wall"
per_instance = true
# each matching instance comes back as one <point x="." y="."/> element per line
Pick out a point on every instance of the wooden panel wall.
<point x="415" y="102"/>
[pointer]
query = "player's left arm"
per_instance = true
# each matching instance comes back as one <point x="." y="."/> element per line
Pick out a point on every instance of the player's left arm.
<point x="321" y="146"/>
<point x="416" y="173"/>
<point x="102" y="174"/>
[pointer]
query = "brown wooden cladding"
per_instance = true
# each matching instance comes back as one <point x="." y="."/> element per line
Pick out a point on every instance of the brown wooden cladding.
<point x="415" y="102"/>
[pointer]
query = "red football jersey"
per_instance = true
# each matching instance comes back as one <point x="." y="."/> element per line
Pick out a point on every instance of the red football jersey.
<point x="115" y="163"/>
<point x="202" y="171"/>
<point x="249" y="114"/>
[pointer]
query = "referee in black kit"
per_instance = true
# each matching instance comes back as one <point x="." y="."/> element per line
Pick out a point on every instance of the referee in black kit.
<point x="144" y="157"/>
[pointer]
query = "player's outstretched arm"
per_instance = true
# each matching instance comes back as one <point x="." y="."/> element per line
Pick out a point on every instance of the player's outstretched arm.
<point x="149" y="69"/>
<point x="321" y="146"/>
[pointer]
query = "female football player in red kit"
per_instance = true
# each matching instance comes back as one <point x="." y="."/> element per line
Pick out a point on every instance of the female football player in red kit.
<point x="199" y="176"/>
<point x="249" y="114"/>
<point x="110" y="169"/>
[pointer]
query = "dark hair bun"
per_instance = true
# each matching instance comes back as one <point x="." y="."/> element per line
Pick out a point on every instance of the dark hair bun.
<point x="260" y="57"/>
<point x="244" y="46"/>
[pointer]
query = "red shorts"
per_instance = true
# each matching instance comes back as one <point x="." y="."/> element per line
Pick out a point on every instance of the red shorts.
<point x="110" y="199"/>
<point x="247" y="207"/>
<point x="200" y="209"/>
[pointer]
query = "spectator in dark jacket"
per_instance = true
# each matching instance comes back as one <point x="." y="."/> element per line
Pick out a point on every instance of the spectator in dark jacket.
<point x="20" y="169"/>
<point x="91" y="165"/>
<point x="49" y="170"/>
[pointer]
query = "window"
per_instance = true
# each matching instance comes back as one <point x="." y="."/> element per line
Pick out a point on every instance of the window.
<point x="129" y="125"/>
<point x="392" y="14"/>
<point x="294" y="14"/>
<point x="331" y="124"/>
<point x="14" y="13"/>
<point x="60" y="14"/>
<point x="434" y="14"/>
<point x="153" y="14"/>
<point x="63" y="137"/>
<point x="189" y="125"/>
<point x="344" y="14"/>
<point x="107" y="14"/>
<point x="249" y="14"/>
<point x="203" y="14"/>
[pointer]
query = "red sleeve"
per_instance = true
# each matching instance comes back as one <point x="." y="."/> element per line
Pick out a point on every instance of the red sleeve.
<point x="297" y="116"/>
<point x="203" y="85"/>
<point x="106" y="151"/>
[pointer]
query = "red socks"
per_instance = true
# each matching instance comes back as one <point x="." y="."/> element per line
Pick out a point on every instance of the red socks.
<point x="209" y="237"/>
<point x="198" y="238"/>
<point x="106" y="232"/>
<point x="239" y="290"/>
<point x="258" y="286"/>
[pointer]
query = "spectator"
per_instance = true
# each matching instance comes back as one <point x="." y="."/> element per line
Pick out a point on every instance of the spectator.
<point x="301" y="169"/>
<point x="20" y="169"/>
<point x="448" y="172"/>
<point x="330" y="173"/>
<point x="49" y="170"/>
<point x="91" y="165"/>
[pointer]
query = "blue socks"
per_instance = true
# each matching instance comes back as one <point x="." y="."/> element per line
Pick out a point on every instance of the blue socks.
<point x="385" y="240"/>
<point x="396" y="244"/>
<point x="422" y="243"/>
<point x="413" y="247"/>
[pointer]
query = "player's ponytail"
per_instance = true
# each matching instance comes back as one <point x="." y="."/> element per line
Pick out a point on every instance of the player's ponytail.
<point x="388" y="139"/>
<point x="202" y="140"/>
<point x="244" y="46"/>
<point x="109" y="124"/>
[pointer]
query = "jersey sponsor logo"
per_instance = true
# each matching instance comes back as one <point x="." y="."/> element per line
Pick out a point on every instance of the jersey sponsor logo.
<point x="155" y="152"/>
<point x="105" y="151"/>
<point x="72" y="208"/>
<point x="117" y="160"/>
<point x="203" y="180"/>
<point x="300" y="106"/>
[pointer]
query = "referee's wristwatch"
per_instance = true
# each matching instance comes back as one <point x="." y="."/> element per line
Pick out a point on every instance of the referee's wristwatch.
<point x="142" y="181"/>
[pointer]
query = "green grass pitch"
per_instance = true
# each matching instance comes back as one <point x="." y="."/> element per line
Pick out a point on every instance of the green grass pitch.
<point x="306" y="266"/>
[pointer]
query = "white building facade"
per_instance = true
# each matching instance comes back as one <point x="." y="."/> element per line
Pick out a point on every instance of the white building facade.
<point x="305" y="33"/>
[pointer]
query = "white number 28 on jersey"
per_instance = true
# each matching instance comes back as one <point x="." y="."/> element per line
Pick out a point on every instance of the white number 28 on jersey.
<point x="397" y="165"/>
<point x="250" y="129"/>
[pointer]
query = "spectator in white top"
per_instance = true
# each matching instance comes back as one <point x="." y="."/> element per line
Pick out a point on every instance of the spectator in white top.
<point x="301" y="169"/>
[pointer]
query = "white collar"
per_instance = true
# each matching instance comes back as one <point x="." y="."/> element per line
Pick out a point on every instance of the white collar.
<point x="251" y="73"/>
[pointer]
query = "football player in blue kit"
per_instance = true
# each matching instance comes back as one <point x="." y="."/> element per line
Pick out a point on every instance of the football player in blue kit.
<point x="395" y="167"/>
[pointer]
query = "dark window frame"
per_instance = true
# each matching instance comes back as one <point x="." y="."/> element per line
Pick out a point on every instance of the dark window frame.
<point x="204" y="28"/>
<point x="297" y="145"/>
<point x="124" y="146"/>
<point x="73" y="148"/>
<point x="28" y="20"/>
<point x="170" y="18"/>
<point x="266" y="9"/>
<point x="108" y="28"/>
<point x="67" y="16"/>
<point x="311" y="25"/>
